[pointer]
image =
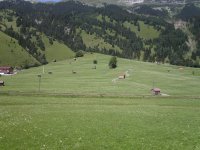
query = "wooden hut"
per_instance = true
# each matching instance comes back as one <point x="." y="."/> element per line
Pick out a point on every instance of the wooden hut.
<point x="122" y="76"/>
<point x="155" y="91"/>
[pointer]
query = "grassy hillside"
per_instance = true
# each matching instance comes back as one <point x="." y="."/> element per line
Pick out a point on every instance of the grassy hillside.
<point x="146" y="31"/>
<point x="107" y="19"/>
<point x="56" y="51"/>
<point x="109" y="30"/>
<point x="173" y="80"/>
<point x="90" y="110"/>
<point x="94" y="41"/>
<point x="12" y="54"/>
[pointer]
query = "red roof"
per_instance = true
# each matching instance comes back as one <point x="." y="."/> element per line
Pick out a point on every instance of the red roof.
<point x="5" y="67"/>
<point x="6" y="70"/>
<point x="155" y="89"/>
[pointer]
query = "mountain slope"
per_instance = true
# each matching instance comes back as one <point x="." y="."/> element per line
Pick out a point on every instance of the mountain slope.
<point x="40" y="47"/>
<point x="12" y="54"/>
<point x="57" y="50"/>
<point x="110" y="29"/>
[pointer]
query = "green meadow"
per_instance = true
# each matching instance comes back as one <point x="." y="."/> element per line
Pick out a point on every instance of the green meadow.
<point x="56" y="51"/>
<point x="146" y="31"/>
<point x="92" y="40"/>
<point x="15" y="55"/>
<point x="93" y="109"/>
<point x="34" y="122"/>
<point x="141" y="77"/>
<point x="11" y="53"/>
<point x="10" y="50"/>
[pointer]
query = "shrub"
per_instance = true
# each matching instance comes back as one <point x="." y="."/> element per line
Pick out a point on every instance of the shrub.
<point x="79" y="54"/>
<point x="95" y="61"/>
<point x="51" y="41"/>
<point x="113" y="62"/>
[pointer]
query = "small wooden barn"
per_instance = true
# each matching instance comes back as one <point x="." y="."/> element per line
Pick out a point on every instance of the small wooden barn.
<point x="156" y="91"/>
<point x="122" y="76"/>
<point x="2" y="83"/>
<point x="6" y="70"/>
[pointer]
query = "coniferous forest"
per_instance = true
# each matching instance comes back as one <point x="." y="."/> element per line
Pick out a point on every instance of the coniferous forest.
<point x="123" y="30"/>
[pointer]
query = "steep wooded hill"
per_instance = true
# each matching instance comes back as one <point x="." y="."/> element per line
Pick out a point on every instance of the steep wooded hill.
<point x="40" y="48"/>
<point x="109" y="29"/>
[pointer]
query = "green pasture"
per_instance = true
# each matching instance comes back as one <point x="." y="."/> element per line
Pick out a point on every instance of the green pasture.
<point x="34" y="122"/>
<point x="92" y="40"/>
<point x="12" y="54"/>
<point x="146" y="31"/>
<point x="56" y="51"/>
<point x="8" y="23"/>
<point x="107" y="19"/>
<point x="141" y="77"/>
<point x="88" y="110"/>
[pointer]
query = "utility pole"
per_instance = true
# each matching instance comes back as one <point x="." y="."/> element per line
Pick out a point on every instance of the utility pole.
<point x="39" y="76"/>
<point x="43" y="69"/>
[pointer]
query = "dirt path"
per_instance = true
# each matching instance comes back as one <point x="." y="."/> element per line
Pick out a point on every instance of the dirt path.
<point x="163" y="94"/>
